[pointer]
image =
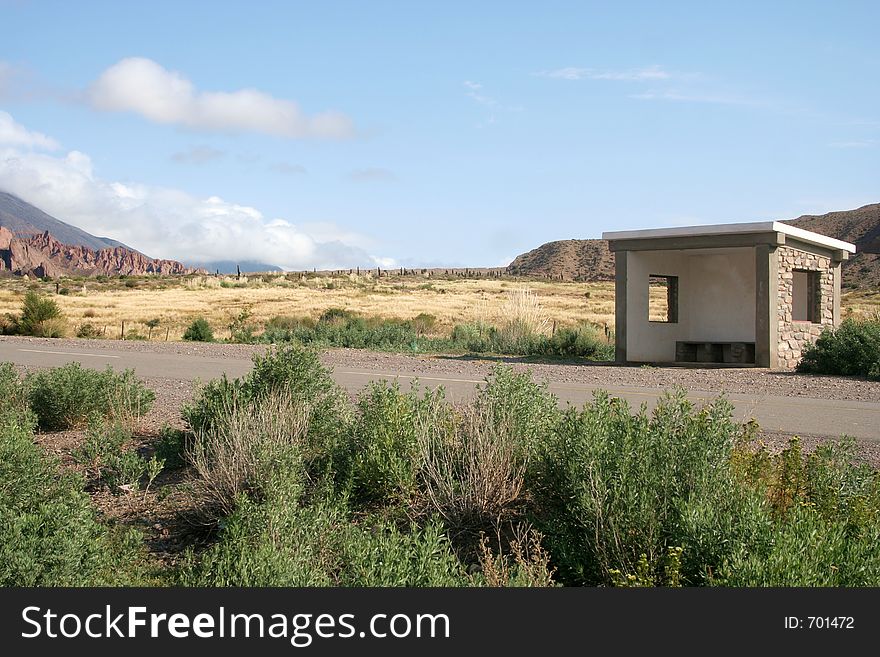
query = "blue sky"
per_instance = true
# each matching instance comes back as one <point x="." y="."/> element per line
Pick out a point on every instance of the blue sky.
<point x="352" y="133"/>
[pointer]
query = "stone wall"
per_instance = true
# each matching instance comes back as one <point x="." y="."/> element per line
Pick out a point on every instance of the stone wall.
<point x="793" y="336"/>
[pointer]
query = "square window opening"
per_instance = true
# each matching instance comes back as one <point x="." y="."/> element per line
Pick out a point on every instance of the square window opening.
<point x="663" y="299"/>
<point x="805" y="296"/>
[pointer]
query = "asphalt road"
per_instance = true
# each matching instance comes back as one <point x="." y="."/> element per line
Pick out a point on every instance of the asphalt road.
<point x="794" y="415"/>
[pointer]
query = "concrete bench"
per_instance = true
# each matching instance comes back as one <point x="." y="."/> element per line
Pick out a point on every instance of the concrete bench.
<point x="740" y="353"/>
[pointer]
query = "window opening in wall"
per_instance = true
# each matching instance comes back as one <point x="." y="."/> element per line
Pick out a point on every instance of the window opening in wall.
<point x="663" y="299"/>
<point x="805" y="296"/>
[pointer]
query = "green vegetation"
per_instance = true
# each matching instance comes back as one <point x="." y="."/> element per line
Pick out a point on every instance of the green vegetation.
<point x="40" y="316"/>
<point x="851" y="349"/>
<point x="341" y="328"/>
<point x="105" y="459"/>
<point x="49" y="533"/>
<point x="300" y="487"/>
<point x="68" y="397"/>
<point x="293" y="484"/>
<point x="199" y="331"/>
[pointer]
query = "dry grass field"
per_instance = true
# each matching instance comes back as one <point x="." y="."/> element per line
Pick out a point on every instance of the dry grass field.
<point x="175" y="302"/>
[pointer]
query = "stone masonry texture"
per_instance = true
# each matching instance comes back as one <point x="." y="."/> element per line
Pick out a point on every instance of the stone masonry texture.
<point x="794" y="336"/>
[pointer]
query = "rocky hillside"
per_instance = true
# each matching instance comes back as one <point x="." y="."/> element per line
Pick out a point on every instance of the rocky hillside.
<point x="36" y="244"/>
<point x="861" y="227"/>
<point x="23" y="219"/>
<point x="43" y="255"/>
<point x="571" y="260"/>
<point x="590" y="260"/>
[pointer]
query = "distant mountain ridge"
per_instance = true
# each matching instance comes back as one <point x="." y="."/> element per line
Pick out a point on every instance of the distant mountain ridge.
<point x="22" y="218"/>
<point x="37" y="244"/>
<point x="590" y="260"/>
<point x="573" y="260"/>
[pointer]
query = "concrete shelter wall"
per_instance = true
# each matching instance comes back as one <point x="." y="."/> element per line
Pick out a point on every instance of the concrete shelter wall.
<point x="716" y="300"/>
<point x="721" y="299"/>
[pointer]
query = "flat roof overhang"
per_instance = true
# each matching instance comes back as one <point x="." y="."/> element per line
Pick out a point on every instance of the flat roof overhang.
<point x="773" y="233"/>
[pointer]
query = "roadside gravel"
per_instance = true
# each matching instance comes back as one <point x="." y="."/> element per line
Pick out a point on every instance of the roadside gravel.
<point x="756" y="381"/>
<point x="173" y="393"/>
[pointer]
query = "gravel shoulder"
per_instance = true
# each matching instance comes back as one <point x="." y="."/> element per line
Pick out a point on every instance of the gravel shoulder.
<point x="173" y="393"/>
<point x="755" y="381"/>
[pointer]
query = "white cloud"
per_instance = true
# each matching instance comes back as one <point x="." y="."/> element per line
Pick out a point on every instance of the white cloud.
<point x="140" y="85"/>
<point x="13" y="133"/>
<point x="198" y="155"/>
<point x="650" y="73"/>
<point x="170" y="223"/>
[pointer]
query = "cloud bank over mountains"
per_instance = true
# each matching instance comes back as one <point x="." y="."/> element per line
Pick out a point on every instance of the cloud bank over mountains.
<point x="165" y="222"/>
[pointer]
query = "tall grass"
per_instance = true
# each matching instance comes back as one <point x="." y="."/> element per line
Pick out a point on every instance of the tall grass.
<point x="523" y="332"/>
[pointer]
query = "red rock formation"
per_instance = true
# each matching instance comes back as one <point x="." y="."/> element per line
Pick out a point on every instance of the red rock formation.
<point x="42" y="255"/>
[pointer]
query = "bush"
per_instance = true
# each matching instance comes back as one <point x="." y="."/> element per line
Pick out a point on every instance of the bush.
<point x="87" y="330"/>
<point x="14" y="404"/>
<point x="582" y="341"/>
<point x="199" y="331"/>
<point x="424" y="323"/>
<point x="279" y="543"/>
<point x="49" y="535"/>
<point x="236" y="454"/>
<point x="67" y="397"/>
<point x="613" y="489"/>
<point x="40" y="316"/>
<point x="287" y="373"/>
<point x="106" y="461"/>
<point x="826" y="513"/>
<point x="474" y="468"/>
<point x="385" y="441"/>
<point x="852" y="349"/>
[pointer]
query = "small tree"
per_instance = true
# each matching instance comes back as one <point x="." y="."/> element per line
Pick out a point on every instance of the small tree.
<point x="199" y="331"/>
<point x="40" y="316"/>
<point x="151" y="324"/>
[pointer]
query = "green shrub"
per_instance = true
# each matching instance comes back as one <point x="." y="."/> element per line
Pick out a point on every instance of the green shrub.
<point x="473" y="469"/>
<point x="851" y="349"/>
<point x="40" y="316"/>
<point x="103" y="454"/>
<point x="808" y="550"/>
<point x="385" y="441"/>
<point x="287" y="373"/>
<point x="424" y="323"/>
<point x="278" y="543"/>
<point x="49" y="535"/>
<point x="826" y="514"/>
<point x="610" y="487"/>
<point x="67" y="397"/>
<point x="582" y="341"/>
<point x="199" y="331"/>
<point x="14" y="404"/>
<point x="171" y="447"/>
<point x="241" y="449"/>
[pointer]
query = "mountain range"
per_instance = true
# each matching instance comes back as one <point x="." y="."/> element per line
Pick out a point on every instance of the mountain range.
<point x="590" y="260"/>
<point x="35" y="243"/>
